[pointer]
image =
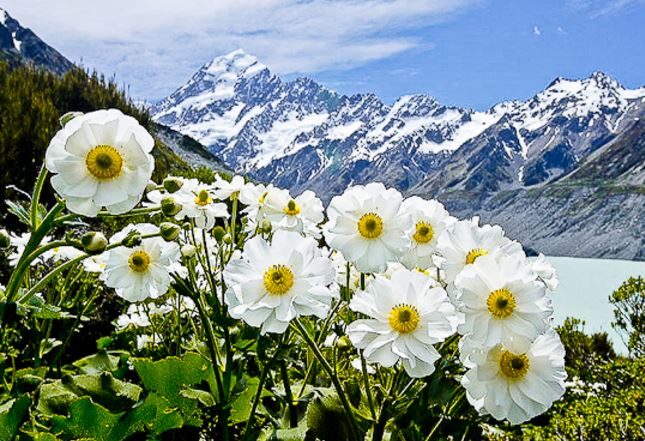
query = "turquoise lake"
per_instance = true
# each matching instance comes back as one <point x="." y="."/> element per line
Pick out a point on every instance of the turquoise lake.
<point x="585" y="286"/>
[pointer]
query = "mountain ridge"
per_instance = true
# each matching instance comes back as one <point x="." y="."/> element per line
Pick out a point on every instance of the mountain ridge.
<point x="562" y="170"/>
<point x="301" y="135"/>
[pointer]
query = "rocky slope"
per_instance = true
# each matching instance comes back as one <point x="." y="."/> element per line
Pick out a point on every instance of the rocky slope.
<point x="20" y="45"/>
<point x="301" y="135"/>
<point x="564" y="168"/>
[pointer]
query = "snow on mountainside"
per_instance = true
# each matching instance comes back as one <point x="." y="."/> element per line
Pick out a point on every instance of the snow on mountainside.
<point x="20" y="45"/>
<point x="301" y="135"/>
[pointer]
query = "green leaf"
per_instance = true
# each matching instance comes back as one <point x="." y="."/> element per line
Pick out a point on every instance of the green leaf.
<point x="12" y="414"/>
<point x="114" y="394"/>
<point x="55" y="398"/>
<point x="168" y="377"/>
<point x="241" y="406"/>
<point x="155" y="416"/>
<point x="20" y="211"/>
<point x="204" y="397"/>
<point x="86" y="420"/>
<point x="97" y="363"/>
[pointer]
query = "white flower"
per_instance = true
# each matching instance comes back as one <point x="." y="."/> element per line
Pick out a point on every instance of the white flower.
<point x="429" y="220"/>
<point x="63" y="253"/>
<point x="367" y="224"/>
<point x="199" y="203"/>
<point x="18" y="243"/>
<point x="145" y="340"/>
<point x="546" y="272"/>
<point x="252" y="196"/>
<point x="271" y="284"/>
<point x="502" y="300"/>
<point x="356" y="364"/>
<point x="95" y="264"/>
<point x="516" y="383"/>
<point x="101" y="159"/>
<point x="142" y="271"/>
<point x="341" y="272"/>
<point x="465" y="241"/>
<point x="225" y="189"/>
<point x="406" y="317"/>
<point x="302" y="214"/>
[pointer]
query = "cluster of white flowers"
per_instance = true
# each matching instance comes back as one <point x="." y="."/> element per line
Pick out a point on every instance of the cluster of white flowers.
<point x="498" y="299"/>
<point x="414" y="275"/>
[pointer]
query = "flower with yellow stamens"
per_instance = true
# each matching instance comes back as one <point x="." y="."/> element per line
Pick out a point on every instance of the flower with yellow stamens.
<point x="465" y="242"/>
<point x="429" y="220"/>
<point x="502" y="300"/>
<point x="406" y="315"/>
<point x="517" y="382"/>
<point x="101" y="159"/>
<point x="302" y="214"/>
<point x="368" y="225"/>
<point x="140" y="272"/>
<point x="271" y="283"/>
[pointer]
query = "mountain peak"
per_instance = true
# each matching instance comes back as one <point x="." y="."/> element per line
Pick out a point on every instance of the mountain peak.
<point x="237" y="63"/>
<point x="19" y="45"/>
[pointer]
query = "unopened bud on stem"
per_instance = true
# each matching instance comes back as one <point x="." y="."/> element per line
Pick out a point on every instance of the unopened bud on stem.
<point x="170" y="207"/>
<point x="169" y="231"/>
<point x="94" y="242"/>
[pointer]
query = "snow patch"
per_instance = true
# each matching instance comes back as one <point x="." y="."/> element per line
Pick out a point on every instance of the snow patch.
<point x="16" y="43"/>
<point x="344" y="131"/>
<point x="282" y="134"/>
<point x="479" y="122"/>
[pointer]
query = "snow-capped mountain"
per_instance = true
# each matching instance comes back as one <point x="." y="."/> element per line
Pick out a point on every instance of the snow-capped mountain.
<point x="300" y="135"/>
<point x="20" y="45"/>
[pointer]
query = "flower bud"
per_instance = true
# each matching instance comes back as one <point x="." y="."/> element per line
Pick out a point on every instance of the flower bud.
<point x="169" y="231"/>
<point x="227" y="238"/>
<point x="188" y="250"/>
<point x="344" y="342"/>
<point x="266" y="226"/>
<point x="169" y="207"/>
<point x="63" y="120"/>
<point x="218" y="233"/>
<point x="94" y="242"/>
<point x="132" y="239"/>
<point x="186" y="226"/>
<point x="5" y="240"/>
<point x="172" y="184"/>
<point x="151" y="186"/>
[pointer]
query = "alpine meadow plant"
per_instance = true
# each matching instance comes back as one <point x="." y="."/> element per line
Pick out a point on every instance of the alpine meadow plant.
<point x="236" y="310"/>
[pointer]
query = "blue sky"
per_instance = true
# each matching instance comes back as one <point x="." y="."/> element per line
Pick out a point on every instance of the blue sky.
<point x="470" y="53"/>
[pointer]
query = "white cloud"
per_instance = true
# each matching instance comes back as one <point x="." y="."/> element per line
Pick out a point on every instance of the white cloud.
<point x="156" y="45"/>
<point x="598" y="8"/>
<point x="537" y="31"/>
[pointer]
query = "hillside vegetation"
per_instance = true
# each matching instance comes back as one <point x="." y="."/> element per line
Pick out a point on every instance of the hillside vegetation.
<point x="31" y="103"/>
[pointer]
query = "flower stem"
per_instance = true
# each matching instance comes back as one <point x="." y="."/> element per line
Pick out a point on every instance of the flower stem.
<point x="339" y="388"/>
<point x="35" y="239"/>
<point x="35" y="198"/>
<point x="366" y="382"/>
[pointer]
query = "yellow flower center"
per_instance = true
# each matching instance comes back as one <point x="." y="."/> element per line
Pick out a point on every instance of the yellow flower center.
<point x="404" y="318"/>
<point x="203" y="198"/>
<point x="424" y="233"/>
<point x="264" y="195"/>
<point x="501" y="303"/>
<point x="104" y="162"/>
<point x="292" y="208"/>
<point x="513" y="366"/>
<point x="370" y="226"/>
<point x="474" y="254"/>
<point x="278" y="280"/>
<point x="139" y="261"/>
